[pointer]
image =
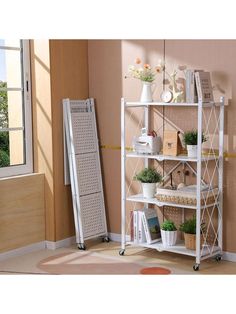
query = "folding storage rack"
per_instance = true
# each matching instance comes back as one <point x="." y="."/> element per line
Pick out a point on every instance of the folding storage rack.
<point x="85" y="170"/>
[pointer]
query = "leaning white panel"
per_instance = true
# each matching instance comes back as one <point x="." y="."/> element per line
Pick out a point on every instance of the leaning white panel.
<point x="85" y="170"/>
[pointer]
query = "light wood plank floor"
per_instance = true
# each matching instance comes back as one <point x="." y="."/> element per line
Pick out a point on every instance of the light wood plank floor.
<point x="178" y="264"/>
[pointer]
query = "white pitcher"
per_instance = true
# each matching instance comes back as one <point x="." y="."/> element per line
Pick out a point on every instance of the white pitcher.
<point x="147" y="91"/>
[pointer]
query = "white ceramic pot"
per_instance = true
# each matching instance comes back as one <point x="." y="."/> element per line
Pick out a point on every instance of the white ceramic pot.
<point x="146" y="95"/>
<point x="168" y="238"/>
<point x="149" y="190"/>
<point x="192" y="151"/>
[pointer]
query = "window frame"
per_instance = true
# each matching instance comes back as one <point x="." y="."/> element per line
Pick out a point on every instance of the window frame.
<point x="27" y="167"/>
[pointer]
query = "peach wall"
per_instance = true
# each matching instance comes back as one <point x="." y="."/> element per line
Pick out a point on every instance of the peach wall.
<point x="108" y="62"/>
<point x="69" y="79"/>
<point x="59" y="70"/>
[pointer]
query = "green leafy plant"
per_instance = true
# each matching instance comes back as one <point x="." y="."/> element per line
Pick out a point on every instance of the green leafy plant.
<point x="4" y="159"/>
<point x="189" y="226"/>
<point x="190" y="137"/>
<point x="168" y="225"/>
<point x="148" y="175"/>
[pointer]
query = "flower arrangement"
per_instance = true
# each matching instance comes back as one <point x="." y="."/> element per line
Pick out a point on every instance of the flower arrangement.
<point x="144" y="72"/>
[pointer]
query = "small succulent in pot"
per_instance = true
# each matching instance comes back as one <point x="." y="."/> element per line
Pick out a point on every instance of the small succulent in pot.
<point x="148" y="177"/>
<point x="190" y="139"/>
<point x="168" y="233"/>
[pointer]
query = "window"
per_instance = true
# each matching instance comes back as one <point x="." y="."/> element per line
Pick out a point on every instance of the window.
<point x="15" y="108"/>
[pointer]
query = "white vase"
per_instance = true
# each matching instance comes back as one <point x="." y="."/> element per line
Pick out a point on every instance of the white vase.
<point x="149" y="190"/>
<point x="168" y="238"/>
<point x="146" y="95"/>
<point x="192" y="151"/>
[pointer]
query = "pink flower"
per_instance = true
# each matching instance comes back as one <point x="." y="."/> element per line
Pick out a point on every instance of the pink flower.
<point x="146" y="66"/>
<point x="158" y="69"/>
<point x="137" y="60"/>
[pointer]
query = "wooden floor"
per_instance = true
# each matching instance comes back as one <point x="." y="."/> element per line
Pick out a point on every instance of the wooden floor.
<point x="178" y="264"/>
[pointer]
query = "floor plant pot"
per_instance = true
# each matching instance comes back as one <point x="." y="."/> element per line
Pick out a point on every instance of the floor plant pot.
<point x="169" y="238"/>
<point x="192" y="151"/>
<point x="190" y="241"/>
<point x="149" y="190"/>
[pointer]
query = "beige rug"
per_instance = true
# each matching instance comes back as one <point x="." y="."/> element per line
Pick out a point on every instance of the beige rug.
<point x="89" y="263"/>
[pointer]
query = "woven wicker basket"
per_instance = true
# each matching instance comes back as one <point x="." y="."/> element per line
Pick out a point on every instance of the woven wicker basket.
<point x="190" y="241"/>
<point x="181" y="197"/>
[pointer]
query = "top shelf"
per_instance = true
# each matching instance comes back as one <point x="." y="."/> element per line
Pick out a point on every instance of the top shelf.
<point x="173" y="104"/>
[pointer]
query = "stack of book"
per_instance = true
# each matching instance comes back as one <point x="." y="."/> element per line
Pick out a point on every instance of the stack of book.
<point x="145" y="227"/>
<point x="198" y="86"/>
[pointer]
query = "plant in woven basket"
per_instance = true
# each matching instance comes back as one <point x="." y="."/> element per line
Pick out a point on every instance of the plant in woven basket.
<point x="168" y="233"/>
<point x="189" y="229"/>
<point x="148" y="177"/>
<point x="189" y="226"/>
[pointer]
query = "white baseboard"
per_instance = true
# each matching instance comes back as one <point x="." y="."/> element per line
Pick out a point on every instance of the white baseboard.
<point x="229" y="256"/>
<point x="50" y="245"/>
<point x="22" y="250"/>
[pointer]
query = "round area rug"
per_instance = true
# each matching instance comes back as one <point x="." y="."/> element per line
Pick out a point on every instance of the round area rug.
<point x="155" y="271"/>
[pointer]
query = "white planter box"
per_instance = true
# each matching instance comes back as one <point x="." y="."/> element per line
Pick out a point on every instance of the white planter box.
<point x="169" y="238"/>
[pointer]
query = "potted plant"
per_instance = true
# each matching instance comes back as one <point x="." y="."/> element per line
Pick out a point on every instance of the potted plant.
<point x="189" y="229"/>
<point x="190" y="140"/>
<point x="148" y="177"/>
<point x="168" y="233"/>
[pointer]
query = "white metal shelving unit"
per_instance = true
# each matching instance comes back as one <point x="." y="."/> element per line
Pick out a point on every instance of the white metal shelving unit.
<point x="212" y="213"/>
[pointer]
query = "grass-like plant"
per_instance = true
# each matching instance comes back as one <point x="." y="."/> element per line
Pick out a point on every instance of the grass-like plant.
<point x="190" y="137"/>
<point x="168" y="225"/>
<point x="189" y="226"/>
<point x="148" y="175"/>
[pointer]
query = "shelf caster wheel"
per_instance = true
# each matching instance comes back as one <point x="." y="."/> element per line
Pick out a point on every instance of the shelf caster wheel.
<point x="81" y="246"/>
<point x="105" y="239"/>
<point x="196" y="267"/>
<point x="122" y="252"/>
<point x="218" y="258"/>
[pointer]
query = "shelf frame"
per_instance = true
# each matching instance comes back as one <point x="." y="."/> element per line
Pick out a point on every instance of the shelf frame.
<point x="185" y="160"/>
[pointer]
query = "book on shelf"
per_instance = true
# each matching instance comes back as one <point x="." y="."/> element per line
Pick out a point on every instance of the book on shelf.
<point x="131" y="226"/>
<point x="203" y="86"/>
<point x="191" y="90"/>
<point x="141" y="231"/>
<point x="137" y="234"/>
<point x="135" y="226"/>
<point x="151" y="225"/>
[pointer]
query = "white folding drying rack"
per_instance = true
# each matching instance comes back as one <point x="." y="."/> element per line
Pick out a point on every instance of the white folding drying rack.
<point x="85" y="170"/>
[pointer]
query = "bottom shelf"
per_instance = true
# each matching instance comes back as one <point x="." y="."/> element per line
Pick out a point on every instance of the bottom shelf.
<point x="180" y="248"/>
